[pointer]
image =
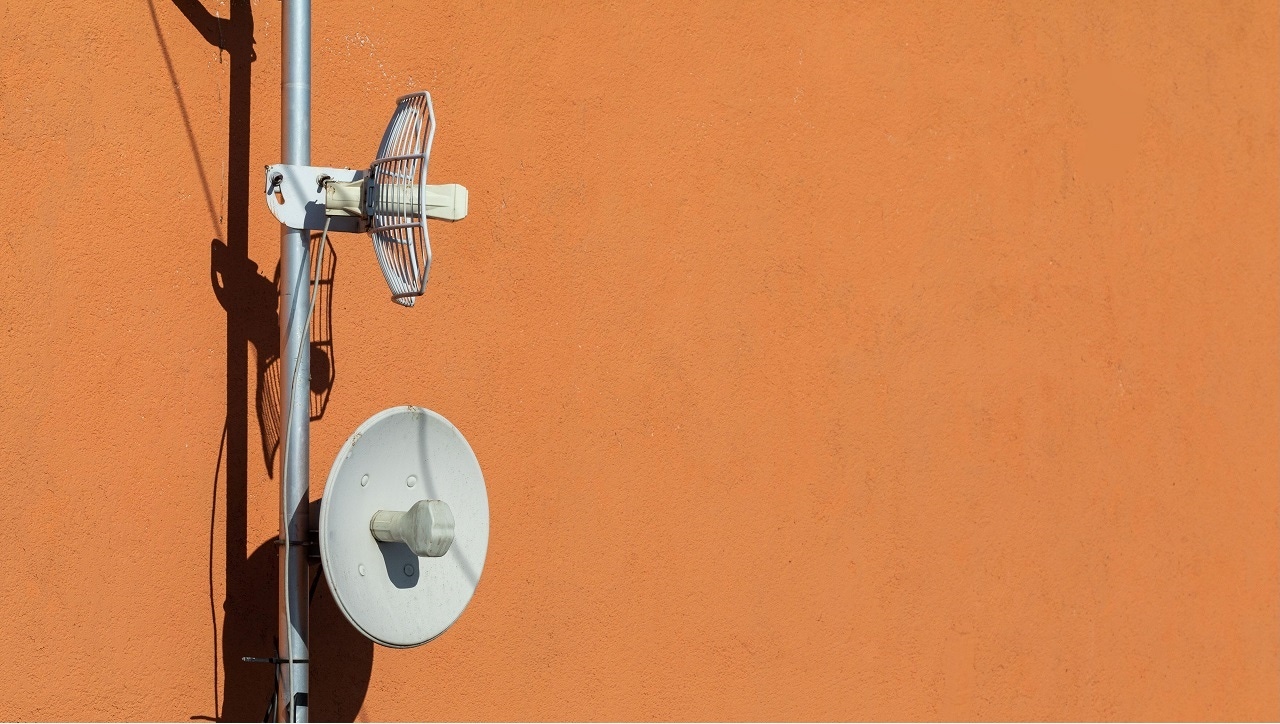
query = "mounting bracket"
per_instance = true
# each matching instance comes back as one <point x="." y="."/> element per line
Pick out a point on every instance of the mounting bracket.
<point x="303" y="197"/>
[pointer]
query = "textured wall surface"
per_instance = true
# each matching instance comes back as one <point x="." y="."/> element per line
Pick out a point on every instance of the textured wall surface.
<point x="823" y="360"/>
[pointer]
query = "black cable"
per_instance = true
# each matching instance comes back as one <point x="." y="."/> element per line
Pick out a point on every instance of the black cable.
<point x="315" y="582"/>
<point x="270" y="716"/>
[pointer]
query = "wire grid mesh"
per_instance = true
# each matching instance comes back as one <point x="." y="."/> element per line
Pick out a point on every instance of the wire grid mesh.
<point x="396" y="199"/>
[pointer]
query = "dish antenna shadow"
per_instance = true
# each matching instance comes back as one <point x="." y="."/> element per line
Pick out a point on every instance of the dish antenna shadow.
<point x="404" y="524"/>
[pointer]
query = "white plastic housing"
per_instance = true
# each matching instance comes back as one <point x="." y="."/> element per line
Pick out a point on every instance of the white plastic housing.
<point x="427" y="527"/>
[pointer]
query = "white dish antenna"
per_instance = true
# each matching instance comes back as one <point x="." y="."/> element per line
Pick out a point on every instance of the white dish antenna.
<point x="391" y="199"/>
<point x="404" y="526"/>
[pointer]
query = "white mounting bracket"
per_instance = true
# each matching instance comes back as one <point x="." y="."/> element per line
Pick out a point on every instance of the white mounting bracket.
<point x="295" y="195"/>
<point x="302" y="197"/>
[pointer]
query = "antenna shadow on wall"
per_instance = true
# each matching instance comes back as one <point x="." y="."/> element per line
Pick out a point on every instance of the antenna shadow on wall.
<point x="247" y="625"/>
<point x="323" y="366"/>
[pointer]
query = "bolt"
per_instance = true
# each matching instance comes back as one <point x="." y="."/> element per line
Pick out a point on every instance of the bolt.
<point x="364" y="480"/>
<point x="408" y="569"/>
<point x="361" y="569"/>
<point x="411" y="481"/>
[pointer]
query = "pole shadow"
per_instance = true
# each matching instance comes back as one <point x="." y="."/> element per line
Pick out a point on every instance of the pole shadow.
<point x="341" y="659"/>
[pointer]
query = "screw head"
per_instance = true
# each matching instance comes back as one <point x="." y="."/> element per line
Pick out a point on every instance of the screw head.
<point x="360" y="568"/>
<point x="408" y="569"/>
<point x="364" y="480"/>
<point x="411" y="481"/>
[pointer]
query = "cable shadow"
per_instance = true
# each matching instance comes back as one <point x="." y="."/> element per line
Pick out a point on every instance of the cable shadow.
<point x="342" y="659"/>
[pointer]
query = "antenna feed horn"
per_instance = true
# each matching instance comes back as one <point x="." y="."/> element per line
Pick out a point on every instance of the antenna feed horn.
<point x="427" y="527"/>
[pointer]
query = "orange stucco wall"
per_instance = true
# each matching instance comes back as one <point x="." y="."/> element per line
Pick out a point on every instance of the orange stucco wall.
<point x="823" y="361"/>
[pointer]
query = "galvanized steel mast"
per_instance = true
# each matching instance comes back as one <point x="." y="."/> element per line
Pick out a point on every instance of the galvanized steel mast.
<point x="295" y="353"/>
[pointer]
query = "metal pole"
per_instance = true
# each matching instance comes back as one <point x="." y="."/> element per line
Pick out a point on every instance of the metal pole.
<point x="295" y="353"/>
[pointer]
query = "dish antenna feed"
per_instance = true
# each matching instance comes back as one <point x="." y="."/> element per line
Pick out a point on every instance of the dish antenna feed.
<point x="391" y="199"/>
